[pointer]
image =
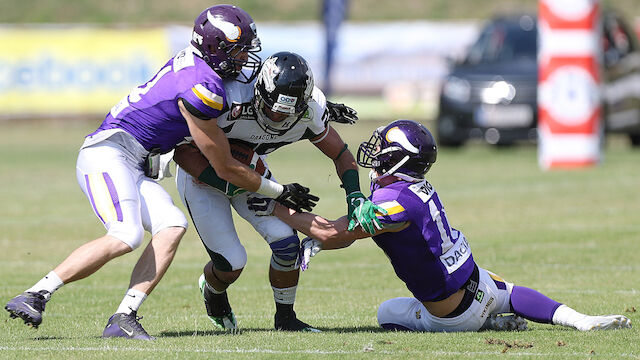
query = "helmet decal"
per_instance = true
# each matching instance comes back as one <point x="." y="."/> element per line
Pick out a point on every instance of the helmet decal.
<point x="231" y="31"/>
<point x="396" y="135"/>
<point x="268" y="73"/>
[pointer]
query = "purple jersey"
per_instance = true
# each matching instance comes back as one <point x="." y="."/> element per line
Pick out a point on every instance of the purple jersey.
<point x="150" y="112"/>
<point x="433" y="259"/>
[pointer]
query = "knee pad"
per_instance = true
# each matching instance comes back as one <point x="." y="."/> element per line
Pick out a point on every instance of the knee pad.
<point x="285" y="253"/>
<point x="129" y="234"/>
<point x="232" y="259"/>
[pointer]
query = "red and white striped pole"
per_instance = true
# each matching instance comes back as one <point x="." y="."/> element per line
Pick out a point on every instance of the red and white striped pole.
<point x="569" y="106"/>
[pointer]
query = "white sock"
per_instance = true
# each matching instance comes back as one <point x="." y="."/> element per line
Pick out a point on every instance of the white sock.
<point x="51" y="282"/>
<point x="566" y="316"/>
<point x="132" y="301"/>
<point x="285" y="295"/>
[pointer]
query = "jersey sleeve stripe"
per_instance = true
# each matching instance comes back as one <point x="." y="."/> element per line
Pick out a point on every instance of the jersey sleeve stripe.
<point x="392" y="207"/>
<point x="326" y="132"/>
<point x="210" y="99"/>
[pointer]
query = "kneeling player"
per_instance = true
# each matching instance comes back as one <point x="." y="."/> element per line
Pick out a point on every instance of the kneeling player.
<point x="451" y="292"/>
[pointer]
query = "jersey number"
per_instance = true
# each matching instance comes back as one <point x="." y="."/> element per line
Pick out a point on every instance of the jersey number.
<point x="136" y="94"/>
<point x="436" y="215"/>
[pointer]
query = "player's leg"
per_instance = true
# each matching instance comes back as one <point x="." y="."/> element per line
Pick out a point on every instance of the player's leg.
<point x="167" y="224"/>
<point x="537" y="307"/>
<point x="211" y="215"/>
<point x="106" y="179"/>
<point x="284" y="270"/>
<point x="480" y="300"/>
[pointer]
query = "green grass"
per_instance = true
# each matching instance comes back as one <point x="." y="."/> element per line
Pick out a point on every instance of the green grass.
<point x="573" y="235"/>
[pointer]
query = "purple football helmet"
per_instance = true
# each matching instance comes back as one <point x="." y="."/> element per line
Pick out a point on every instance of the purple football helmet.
<point x="226" y="37"/>
<point x="404" y="148"/>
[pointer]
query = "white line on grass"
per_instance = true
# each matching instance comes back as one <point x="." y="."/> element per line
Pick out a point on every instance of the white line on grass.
<point x="315" y="352"/>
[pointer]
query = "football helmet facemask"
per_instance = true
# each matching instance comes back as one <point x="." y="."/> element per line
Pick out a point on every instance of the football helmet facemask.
<point x="404" y="148"/>
<point x="282" y="92"/>
<point x="225" y="37"/>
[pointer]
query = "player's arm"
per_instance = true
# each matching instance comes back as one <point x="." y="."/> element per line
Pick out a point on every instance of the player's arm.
<point x="360" y="210"/>
<point x="214" y="145"/>
<point x="332" y="234"/>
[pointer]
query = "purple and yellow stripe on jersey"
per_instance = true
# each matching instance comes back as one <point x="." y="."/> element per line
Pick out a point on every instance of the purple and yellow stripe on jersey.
<point x="500" y="283"/>
<point x="392" y="207"/>
<point x="103" y="196"/>
<point x="209" y="98"/>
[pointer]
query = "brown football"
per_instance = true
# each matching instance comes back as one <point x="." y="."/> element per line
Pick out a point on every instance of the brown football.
<point x="247" y="156"/>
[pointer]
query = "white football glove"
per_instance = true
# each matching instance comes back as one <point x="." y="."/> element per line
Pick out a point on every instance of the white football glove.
<point x="308" y="248"/>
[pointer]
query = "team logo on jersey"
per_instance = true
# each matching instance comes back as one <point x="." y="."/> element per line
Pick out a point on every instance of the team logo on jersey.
<point x="231" y="32"/>
<point x="479" y="295"/>
<point x="242" y="111"/>
<point x="418" y="315"/>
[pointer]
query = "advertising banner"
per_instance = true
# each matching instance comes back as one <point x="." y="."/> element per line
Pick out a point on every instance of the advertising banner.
<point x="74" y="70"/>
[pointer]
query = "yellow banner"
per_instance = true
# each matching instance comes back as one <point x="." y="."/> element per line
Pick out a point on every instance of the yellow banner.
<point x="75" y="70"/>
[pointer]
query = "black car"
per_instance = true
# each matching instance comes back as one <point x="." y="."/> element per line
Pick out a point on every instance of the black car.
<point x="491" y="94"/>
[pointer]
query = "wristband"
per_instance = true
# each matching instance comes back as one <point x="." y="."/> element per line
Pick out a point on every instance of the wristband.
<point x="350" y="181"/>
<point x="270" y="188"/>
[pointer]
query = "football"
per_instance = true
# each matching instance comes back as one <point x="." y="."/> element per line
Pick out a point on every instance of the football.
<point x="247" y="156"/>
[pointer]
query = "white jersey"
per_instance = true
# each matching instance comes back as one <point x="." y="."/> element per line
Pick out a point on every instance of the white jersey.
<point x="240" y="122"/>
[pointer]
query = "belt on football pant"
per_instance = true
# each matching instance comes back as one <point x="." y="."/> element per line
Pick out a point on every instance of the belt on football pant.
<point x="470" y="289"/>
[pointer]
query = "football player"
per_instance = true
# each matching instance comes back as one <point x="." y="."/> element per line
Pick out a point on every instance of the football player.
<point x="117" y="163"/>
<point x="283" y="107"/>
<point x="450" y="291"/>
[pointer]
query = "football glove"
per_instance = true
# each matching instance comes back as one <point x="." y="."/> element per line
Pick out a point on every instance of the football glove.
<point x="297" y="197"/>
<point x="341" y="113"/>
<point x="308" y="248"/>
<point x="262" y="206"/>
<point x="362" y="211"/>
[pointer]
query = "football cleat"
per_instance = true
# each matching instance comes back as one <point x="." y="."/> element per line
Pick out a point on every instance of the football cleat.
<point x="126" y="326"/>
<point x="605" y="322"/>
<point x="505" y="322"/>
<point x="290" y="322"/>
<point x="221" y="315"/>
<point x="28" y="306"/>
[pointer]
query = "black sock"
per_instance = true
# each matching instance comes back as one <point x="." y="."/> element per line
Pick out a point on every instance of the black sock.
<point x="217" y="304"/>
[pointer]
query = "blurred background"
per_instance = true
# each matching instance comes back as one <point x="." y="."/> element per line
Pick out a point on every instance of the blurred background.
<point x="386" y="59"/>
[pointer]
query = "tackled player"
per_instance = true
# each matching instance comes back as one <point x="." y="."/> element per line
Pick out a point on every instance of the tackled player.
<point x="282" y="107"/>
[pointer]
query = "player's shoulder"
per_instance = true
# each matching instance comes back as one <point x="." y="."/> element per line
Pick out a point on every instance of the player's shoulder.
<point x="195" y="71"/>
<point x="402" y="195"/>
<point x="316" y="112"/>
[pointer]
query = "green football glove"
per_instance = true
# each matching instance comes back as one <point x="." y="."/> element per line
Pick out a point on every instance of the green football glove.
<point x="362" y="212"/>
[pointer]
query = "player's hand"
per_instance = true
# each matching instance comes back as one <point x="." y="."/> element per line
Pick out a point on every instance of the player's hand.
<point x="341" y="113"/>
<point x="308" y="248"/>
<point x="262" y="206"/>
<point x="297" y="197"/>
<point x="362" y="212"/>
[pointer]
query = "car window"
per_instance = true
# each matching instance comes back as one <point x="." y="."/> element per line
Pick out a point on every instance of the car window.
<point x="504" y="41"/>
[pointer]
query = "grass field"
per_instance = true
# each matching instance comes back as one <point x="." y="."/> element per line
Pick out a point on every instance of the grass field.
<point x="574" y="235"/>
